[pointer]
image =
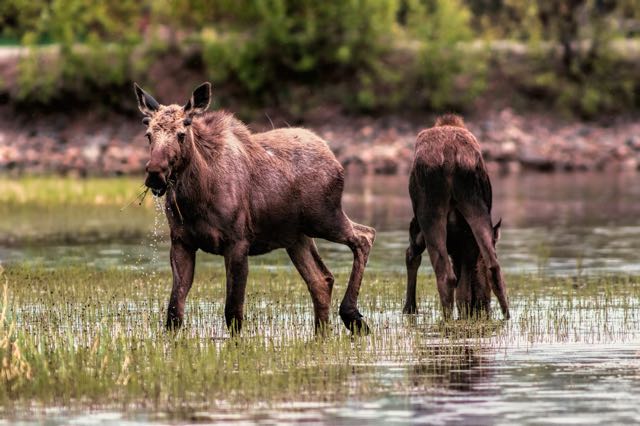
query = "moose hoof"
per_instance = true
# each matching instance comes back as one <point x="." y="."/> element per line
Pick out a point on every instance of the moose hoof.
<point x="358" y="327"/>
<point x="173" y="323"/>
<point x="322" y="328"/>
<point x="507" y="315"/>
<point x="234" y="325"/>
<point x="410" y="309"/>
<point x="354" y="322"/>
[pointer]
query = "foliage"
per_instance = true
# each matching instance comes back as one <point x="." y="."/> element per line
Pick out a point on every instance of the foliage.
<point x="303" y="43"/>
<point x="576" y="52"/>
<point x="92" y="54"/>
<point x="366" y="55"/>
<point x="449" y="74"/>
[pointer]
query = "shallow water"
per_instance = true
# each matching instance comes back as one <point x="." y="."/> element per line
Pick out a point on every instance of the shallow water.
<point x="588" y="373"/>
<point x="558" y="224"/>
<point x="546" y="384"/>
<point x="576" y="225"/>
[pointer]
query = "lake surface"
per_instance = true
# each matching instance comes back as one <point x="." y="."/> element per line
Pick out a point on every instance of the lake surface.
<point x="553" y="225"/>
<point x="561" y="224"/>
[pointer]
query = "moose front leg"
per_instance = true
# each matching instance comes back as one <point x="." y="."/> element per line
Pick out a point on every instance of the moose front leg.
<point x="237" y="268"/>
<point x="183" y="260"/>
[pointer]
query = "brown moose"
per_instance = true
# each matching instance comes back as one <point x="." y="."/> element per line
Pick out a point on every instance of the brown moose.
<point x="238" y="194"/>
<point x="451" y="197"/>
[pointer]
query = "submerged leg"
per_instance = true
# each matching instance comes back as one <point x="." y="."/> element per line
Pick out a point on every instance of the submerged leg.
<point x="480" y="223"/>
<point x="482" y="299"/>
<point x="464" y="291"/>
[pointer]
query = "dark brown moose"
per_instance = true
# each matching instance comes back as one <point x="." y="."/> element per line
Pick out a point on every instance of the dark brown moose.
<point x="238" y="194"/>
<point x="451" y="197"/>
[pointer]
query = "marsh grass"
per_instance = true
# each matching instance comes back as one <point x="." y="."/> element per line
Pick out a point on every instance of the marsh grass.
<point x="95" y="338"/>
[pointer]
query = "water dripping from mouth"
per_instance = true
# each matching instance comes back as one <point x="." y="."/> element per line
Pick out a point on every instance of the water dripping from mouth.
<point x="147" y="260"/>
<point x="156" y="239"/>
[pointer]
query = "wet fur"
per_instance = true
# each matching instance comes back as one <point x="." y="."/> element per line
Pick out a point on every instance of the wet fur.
<point x="451" y="197"/>
<point x="237" y="194"/>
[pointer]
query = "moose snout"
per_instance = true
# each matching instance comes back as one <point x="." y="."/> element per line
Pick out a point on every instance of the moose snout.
<point x="156" y="177"/>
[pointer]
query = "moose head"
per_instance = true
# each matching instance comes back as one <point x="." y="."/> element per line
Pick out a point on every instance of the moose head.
<point x="168" y="134"/>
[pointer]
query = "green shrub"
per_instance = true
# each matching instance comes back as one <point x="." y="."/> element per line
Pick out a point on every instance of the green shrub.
<point x="91" y="56"/>
<point x="576" y="50"/>
<point x="303" y="43"/>
<point x="450" y="71"/>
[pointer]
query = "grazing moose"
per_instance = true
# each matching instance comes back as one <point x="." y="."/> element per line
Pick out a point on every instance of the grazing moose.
<point x="451" y="197"/>
<point x="238" y="194"/>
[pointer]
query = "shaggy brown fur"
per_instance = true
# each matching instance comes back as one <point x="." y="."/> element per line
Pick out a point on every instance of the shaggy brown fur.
<point x="451" y="197"/>
<point x="236" y="194"/>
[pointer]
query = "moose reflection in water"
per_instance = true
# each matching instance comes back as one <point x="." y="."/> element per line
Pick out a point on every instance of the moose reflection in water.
<point x="453" y="367"/>
<point x="451" y="197"/>
<point x="236" y="194"/>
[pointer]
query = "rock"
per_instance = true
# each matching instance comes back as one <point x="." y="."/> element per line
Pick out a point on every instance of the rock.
<point x="366" y="131"/>
<point x="537" y="163"/>
<point x="383" y="145"/>
<point x="632" y="142"/>
<point x="507" y="151"/>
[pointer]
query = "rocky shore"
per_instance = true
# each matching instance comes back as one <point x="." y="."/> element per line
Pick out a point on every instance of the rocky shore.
<point x="511" y="143"/>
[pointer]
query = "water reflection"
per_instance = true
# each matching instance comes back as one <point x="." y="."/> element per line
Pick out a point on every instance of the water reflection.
<point x="450" y="367"/>
<point x="569" y="224"/>
<point x="523" y="201"/>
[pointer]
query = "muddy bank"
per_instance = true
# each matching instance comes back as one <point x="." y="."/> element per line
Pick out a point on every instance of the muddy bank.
<point x="94" y="145"/>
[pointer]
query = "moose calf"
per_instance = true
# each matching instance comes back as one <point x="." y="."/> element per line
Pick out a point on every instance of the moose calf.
<point x="451" y="197"/>
<point x="237" y="194"/>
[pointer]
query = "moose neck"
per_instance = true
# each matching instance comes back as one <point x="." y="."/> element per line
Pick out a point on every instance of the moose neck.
<point x="189" y="178"/>
<point x="218" y="160"/>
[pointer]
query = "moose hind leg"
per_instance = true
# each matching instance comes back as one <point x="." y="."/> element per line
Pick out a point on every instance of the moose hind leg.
<point x="360" y="242"/>
<point x="434" y="230"/>
<point x="319" y="280"/>
<point x="464" y="294"/>
<point x="480" y="224"/>
<point x="338" y="228"/>
<point x="413" y="260"/>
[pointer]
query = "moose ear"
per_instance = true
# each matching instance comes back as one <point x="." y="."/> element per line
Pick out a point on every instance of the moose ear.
<point x="146" y="103"/>
<point x="496" y="230"/>
<point x="199" y="101"/>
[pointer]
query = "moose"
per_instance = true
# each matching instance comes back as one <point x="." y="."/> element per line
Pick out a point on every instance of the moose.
<point x="451" y="198"/>
<point x="235" y="193"/>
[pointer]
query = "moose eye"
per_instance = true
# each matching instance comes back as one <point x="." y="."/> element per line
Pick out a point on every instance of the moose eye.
<point x="181" y="137"/>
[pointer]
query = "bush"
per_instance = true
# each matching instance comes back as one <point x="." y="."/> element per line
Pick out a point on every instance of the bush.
<point x="310" y="43"/>
<point x="450" y="71"/>
<point x="92" y="54"/>
<point x="576" y="54"/>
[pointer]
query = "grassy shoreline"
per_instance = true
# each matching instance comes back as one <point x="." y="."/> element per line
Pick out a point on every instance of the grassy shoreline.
<point x="69" y="210"/>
